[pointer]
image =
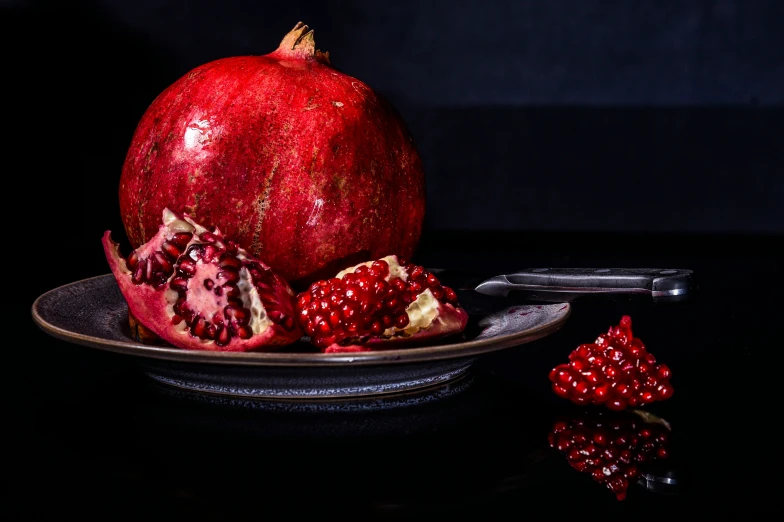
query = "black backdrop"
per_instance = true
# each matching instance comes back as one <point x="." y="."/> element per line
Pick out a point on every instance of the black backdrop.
<point x="581" y="115"/>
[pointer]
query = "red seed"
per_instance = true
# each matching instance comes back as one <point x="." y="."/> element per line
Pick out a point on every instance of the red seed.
<point x="223" y="337"/>
<point x="381" y="267"/>
<point x="181" y="239"/>
<point x="401" y="321"/>
<point x="228" y="276"/>
<point x="133" y="260"/>
<point x="229" y="261"/>
<point x="244" y="332"/>
<point x="187" y="267"/>
<point x="288" y="323"/>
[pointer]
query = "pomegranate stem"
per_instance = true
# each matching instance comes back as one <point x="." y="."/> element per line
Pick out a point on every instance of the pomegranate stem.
<point x="300" y="42"/>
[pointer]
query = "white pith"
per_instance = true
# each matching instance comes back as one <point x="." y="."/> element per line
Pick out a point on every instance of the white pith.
<point x="421" y="312"/>
<point x="201" y="300"/>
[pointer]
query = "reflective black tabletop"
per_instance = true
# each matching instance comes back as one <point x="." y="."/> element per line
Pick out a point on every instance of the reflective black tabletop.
<point x="94" y="438"/>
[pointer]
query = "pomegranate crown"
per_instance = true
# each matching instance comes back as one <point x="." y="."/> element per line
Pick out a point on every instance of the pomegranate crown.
<point x="300" y="42"/>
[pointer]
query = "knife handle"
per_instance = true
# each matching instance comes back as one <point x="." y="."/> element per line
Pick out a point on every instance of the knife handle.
<point x="567" y="284"/>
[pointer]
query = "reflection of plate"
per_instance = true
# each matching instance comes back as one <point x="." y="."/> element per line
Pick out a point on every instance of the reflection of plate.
<point x="93" y="313"/>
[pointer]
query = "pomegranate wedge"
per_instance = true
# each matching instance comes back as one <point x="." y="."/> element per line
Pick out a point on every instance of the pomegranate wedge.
<point x="384" y="303"/>
<point x="199" y="290"/>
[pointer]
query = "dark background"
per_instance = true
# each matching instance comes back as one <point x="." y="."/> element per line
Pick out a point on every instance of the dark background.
<point x="589" y="131"/>
<point x="537" y="117"/>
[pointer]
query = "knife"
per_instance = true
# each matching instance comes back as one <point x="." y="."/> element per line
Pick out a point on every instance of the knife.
<point x="662" y="285"/>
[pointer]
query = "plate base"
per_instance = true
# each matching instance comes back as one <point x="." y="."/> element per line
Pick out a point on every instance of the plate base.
<point x="317" y="384"/>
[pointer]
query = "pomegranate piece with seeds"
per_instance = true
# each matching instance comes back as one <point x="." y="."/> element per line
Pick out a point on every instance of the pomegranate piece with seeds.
<point x="379" y="304"/>
<point x="613" y="448"/>
<point x="198" y="290"/>
<point x="616" y="371"/>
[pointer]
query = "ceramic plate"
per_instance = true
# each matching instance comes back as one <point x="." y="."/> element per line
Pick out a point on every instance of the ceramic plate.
<point x="92" y="312"/>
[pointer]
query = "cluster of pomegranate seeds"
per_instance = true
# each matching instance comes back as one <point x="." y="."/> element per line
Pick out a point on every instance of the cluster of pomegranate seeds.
<point x="368" y="302"/>
<point x="611" y="449"/>
<point x="616" y="371"/>
<point x="206" y="279"/>
<point x="156" y="268"/>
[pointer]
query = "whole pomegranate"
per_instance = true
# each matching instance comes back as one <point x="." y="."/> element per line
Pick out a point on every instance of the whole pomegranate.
<point x="198" y="289"/>
<point x="305" y="166"/>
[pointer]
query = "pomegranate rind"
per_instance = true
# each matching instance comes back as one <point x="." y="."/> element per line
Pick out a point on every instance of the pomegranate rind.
<point x="150" y="307"/>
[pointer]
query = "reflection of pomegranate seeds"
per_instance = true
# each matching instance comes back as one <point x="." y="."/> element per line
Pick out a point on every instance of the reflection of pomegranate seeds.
<point x="611" y="447"/>
<point x="616" y="370"/>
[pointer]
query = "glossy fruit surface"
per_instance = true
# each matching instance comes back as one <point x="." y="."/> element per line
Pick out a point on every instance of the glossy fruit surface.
<point x="306" y="167"/>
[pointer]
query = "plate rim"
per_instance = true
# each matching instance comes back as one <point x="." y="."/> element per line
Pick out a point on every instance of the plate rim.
<point x="421" y="354"/>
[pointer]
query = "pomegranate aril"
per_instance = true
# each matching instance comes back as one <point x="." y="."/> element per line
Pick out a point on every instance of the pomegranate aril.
<point x="170" y="249"/>
<point x="148" y="269"/>
<point x="138" y="274"/>
<point x="187" y="267"/>
<point x="348" y="311"/>
<point x="133" y="260"/>
<point x="211" y="331"/>
<point x="231" y="291"/>
<point x="323" y="327"/>
<point x="352" y="293"/>
<point x="335" y="300"/>
<point x="209" y="237"/>
<point x="352" y="327"/>
<point x="380" y="268"/>
<point x="399" y="284"/>
<point x="288" y="323"/>
<point x="181" y="239"/>
<point x="199" y="327"/>
<point x="230" y="261"/>
<point x="334" y="318"/>
<point x="376" y="327"/>
<point x="244" y="332"/>
<point x="228" y="276"/>
<point x="223" y="337"/>
<point x="239" y="314"/>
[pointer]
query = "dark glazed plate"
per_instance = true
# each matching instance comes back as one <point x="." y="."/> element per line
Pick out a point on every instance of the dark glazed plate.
<point x="92" y="312"/>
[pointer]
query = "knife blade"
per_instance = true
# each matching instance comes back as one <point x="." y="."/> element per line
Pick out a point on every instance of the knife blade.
<point x="663" y="285"/>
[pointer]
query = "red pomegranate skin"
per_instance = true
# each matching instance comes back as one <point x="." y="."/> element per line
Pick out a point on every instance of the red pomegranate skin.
<point x="307" y="167"/>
